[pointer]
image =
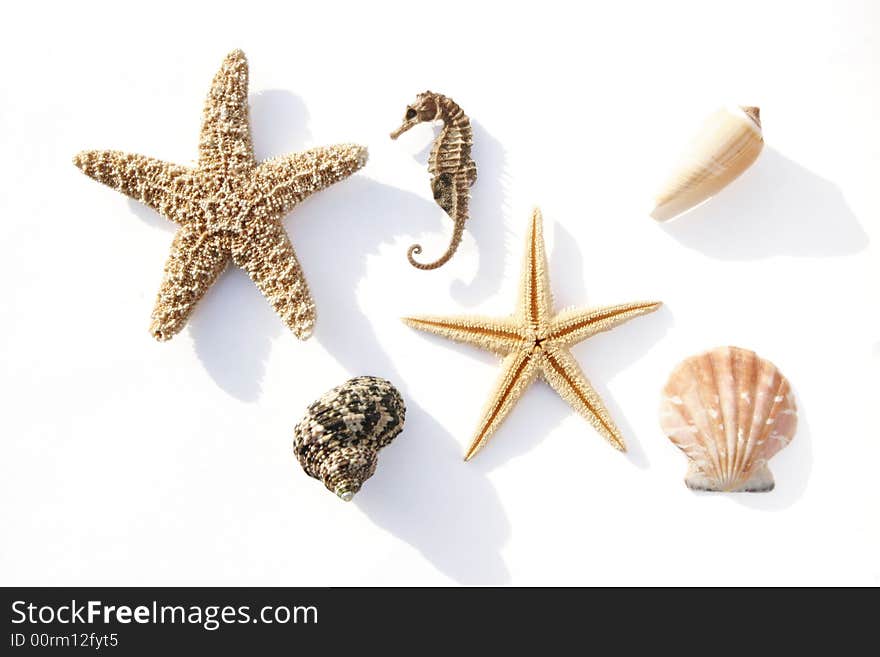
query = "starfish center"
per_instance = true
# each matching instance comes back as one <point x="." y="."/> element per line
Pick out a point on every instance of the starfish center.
<point x="223" y="206"/>
<point x="537" y="336"/>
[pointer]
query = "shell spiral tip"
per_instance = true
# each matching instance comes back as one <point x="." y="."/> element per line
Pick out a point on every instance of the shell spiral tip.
<point x="754" y="113"/>
<point x="346" y="489"/>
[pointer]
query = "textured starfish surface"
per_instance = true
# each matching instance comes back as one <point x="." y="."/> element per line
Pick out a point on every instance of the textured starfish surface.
<point x="534" y="342"/>
<point x="228" y="207"/>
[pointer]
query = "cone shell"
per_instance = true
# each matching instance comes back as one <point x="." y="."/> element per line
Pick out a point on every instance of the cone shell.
<point x="728" y="144"/>
<point x="729" y="411"/>
<point x="339" y="438"/>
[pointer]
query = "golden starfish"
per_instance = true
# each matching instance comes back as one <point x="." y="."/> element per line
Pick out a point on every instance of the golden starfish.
<point x="536" y="342"/>
<point x="229" y="207"/>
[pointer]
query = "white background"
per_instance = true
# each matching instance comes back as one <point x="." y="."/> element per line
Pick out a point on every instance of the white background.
<point x="126" y="461"/>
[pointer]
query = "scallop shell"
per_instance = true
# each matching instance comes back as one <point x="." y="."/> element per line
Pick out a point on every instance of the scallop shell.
<point x="729" y="411"/>
<point x="728" y="144"/>
<point x="339" y="438"/>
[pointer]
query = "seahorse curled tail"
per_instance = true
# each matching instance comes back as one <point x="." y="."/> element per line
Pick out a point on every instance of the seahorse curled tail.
<point x="416" y="249"/>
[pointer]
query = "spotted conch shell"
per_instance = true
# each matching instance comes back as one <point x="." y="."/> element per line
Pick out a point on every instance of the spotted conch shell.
<point x="729" y="411"/>
<point x="728" y="144"/>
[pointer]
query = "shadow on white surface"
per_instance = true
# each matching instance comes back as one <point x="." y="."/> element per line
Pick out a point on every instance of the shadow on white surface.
<point x="490" y="206"/>
<point x="776" y="208"/>
<point x="354" y="221"/>
<point x="232" y="330"/>
<point x="443" y="507"/>
<point x="605" y="355"/>
<point x="428" y="498"/>
<point x="232" y="326"/>
<point x="279" y="123"/>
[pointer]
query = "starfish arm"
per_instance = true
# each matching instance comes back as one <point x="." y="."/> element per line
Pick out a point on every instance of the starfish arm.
<point x="563" y="373"/>
<point x="496" y="335"/>
<point x="535" y="298"/>
<point x="165" y="187"/>
<point x="264" y="251"/>
<point x="572" y="326"/>
<point x="196" y="260"/>
<point x="519" y="370"/>
<point x="225" y="141"/>
<point x="284" y="182"/>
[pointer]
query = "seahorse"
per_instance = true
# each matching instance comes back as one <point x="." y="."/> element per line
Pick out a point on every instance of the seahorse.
<point x="452" y="170"/>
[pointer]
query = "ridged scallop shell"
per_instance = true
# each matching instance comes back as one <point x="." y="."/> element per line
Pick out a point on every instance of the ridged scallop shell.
<point x="728" y="143"/>
<point x="339" y="438"/>
<point x="729" y="411"/>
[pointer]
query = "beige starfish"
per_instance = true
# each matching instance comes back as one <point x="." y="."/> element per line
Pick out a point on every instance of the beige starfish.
<point x="228" y="206"/>
<point x="536" y="342"/>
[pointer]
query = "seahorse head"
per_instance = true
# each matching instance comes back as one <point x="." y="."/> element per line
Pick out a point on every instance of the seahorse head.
<point x="425" y="108"/>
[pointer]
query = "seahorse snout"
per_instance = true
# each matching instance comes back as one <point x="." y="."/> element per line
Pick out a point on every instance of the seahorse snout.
<point x="406" y="125"/>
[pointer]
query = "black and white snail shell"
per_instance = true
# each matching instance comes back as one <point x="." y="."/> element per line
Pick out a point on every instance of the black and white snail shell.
<point x="339" y="438"/>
